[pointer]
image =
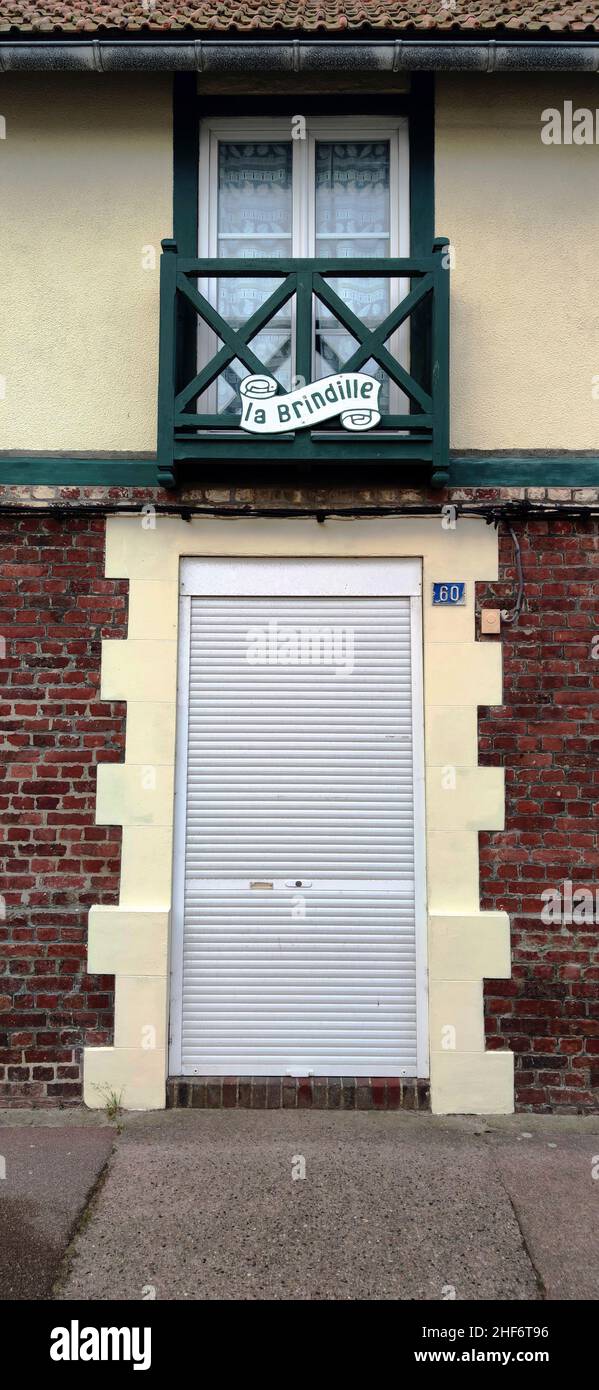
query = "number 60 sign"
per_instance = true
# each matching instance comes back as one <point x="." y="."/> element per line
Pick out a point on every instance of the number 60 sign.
<point x="449" y="592"/>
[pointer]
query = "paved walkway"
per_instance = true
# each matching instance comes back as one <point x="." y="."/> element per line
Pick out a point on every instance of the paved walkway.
<point x="204" y="1205"/>
<point x="49" y="1174"/>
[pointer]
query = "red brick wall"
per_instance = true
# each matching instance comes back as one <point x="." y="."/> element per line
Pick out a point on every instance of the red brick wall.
<point x="545" y="735"/>
<point x="55" y="606"/>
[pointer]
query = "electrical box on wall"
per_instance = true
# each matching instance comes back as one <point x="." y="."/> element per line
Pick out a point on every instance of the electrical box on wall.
<point x="490" y="620"/>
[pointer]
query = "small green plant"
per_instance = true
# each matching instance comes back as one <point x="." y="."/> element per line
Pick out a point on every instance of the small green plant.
<point x="112" y="1100"/>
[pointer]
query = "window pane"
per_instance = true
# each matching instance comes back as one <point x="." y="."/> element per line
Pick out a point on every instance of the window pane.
<point x="352" y="220"/>
<point x="352" y="190"/>
<point x="254" y="220"/>
<point x="254" y="189"/>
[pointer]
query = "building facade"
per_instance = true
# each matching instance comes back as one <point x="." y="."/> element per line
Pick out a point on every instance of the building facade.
<point x="299" y="484"/>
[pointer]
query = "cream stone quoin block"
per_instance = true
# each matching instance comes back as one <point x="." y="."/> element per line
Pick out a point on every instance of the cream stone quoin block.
<point x="131" y="940"/>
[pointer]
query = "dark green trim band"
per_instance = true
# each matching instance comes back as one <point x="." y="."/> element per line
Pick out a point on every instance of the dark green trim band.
<point x="422" y="163"/>
<point x="186" y="159"/>
<point x="186" y="173"/>
<point x="561" y="470"/>
<point x="421" y="123"/>
<point x="78" y="472"/>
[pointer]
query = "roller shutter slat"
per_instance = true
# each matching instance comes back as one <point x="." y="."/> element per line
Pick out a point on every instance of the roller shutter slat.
<point x="299" y="773"/>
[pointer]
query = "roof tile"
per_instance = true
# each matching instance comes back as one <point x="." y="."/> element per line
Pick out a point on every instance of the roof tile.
<point x="301" y="16"/>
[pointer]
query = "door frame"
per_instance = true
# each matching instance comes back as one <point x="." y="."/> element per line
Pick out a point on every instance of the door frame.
<point x="279" y="577"/>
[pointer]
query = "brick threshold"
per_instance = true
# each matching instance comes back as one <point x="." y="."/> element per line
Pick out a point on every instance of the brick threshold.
<point x="297" y="1093"/>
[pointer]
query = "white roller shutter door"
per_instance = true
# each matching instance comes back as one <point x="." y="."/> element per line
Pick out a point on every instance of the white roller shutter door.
<point x="298" y="941"/>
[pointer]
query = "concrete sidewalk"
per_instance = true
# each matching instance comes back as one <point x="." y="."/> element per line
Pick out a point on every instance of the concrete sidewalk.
<point x="49" y="1173"/>
<point x="204" y="1205"/>
<point x="555" y="1197"/>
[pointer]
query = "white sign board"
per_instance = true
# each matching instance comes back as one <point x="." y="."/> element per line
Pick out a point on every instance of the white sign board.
<point x="354" y="396"/>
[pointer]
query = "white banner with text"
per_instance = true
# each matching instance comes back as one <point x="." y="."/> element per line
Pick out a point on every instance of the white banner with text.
<point x="354" y="396"/>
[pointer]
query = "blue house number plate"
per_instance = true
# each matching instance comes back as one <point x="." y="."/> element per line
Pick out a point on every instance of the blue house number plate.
<point x="449" y="592"/>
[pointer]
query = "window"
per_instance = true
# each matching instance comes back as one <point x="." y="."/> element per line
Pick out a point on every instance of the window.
<point x="340" y="192"/>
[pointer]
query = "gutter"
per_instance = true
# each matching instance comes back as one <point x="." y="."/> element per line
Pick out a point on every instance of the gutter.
<point x="222" y="57"/>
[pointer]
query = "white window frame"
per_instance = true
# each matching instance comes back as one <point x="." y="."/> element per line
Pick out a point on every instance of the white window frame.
<point x="277" y="577"/>
<point x="303" y="238"/>
<point x="303" y="235"/>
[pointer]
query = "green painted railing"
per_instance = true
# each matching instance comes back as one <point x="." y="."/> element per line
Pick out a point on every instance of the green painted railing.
<point x="189" y="368"/>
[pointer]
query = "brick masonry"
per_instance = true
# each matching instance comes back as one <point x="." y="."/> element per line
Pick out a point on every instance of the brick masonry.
<point x="546" y="737"/>
<point x="56" y="605"/>
<point x="298" y="1093"/>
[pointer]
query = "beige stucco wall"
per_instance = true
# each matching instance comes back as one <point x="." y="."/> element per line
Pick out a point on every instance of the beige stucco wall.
<point x="131" y="940"/>
<point x="85" y="185"/>
<point x="523" y="218"/>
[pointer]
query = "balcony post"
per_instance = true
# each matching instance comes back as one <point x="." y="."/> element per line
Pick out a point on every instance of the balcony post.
<point x="167" y="368"/>
<point x="303" y="327"/>
<point x="440" y="363"/>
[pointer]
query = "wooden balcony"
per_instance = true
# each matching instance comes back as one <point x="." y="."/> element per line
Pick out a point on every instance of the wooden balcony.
<point x="310" y="327"/>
